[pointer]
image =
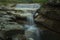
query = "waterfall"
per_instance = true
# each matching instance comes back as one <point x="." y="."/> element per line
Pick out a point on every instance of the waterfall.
<point x="31" y="32"/>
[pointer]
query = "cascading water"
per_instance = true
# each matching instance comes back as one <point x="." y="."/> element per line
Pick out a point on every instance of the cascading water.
<point x="31" y="32"/>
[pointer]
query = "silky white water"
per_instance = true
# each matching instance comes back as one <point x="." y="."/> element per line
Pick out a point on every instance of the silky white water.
<point x="31" y="32"/>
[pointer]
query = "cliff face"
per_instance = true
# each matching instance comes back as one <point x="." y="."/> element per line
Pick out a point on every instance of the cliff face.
<point x="49" y="16"/>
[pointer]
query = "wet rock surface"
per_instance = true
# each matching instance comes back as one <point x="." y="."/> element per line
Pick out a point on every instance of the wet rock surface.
<point x="49" y="18"/>
<point x="9" y="27"/>
<point x="7" y="23"/>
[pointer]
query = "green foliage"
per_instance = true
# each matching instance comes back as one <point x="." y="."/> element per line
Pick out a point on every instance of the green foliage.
<point x="22" y="1"/>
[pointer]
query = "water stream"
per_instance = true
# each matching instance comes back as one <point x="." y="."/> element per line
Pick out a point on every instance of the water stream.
<point x="31" y="32"/>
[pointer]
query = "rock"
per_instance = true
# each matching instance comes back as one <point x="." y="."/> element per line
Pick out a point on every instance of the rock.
<point x="44" y="21"/>
<point x="49" y="17"/>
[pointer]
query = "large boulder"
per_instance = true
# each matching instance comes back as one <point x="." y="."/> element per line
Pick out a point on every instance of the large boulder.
<point x="49" y="17"/>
